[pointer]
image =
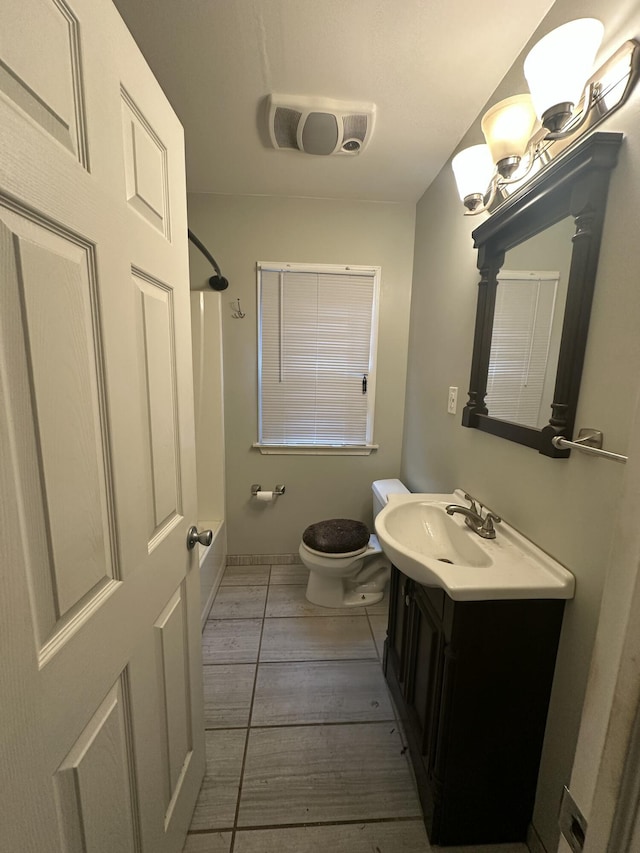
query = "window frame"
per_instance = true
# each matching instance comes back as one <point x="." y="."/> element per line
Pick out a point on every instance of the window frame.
<point x="327" y="269"/>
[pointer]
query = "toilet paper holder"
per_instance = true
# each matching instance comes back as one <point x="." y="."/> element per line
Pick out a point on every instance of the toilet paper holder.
<point x="277" y="489"/>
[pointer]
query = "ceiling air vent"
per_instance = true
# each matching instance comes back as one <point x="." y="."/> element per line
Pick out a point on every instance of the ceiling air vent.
<point x="319" y="125"/>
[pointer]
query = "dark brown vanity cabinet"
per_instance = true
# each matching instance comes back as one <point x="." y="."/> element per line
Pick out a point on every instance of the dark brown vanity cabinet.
<point x="471" y="681"/>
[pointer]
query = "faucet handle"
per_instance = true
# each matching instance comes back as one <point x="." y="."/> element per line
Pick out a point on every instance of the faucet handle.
<point x="474" y="503"/>
<point x="489" y="520"/>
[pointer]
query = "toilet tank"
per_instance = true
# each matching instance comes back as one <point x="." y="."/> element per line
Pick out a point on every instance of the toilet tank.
<point x="382" y="489"/>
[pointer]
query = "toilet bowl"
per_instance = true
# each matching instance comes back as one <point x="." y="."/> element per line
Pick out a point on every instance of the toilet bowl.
<point x="351" y="579"/>
<point x="347" y="567"/>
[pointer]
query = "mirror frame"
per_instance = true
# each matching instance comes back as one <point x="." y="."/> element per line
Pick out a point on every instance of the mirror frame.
<point x="574" y="184"/>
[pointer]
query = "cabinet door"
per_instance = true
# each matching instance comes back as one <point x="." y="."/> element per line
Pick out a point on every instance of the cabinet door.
<point x="424" y="678"/>
<point x="398" y="625"/>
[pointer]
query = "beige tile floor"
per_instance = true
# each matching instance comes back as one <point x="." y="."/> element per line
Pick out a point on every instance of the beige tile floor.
<point x="303" y="750"/>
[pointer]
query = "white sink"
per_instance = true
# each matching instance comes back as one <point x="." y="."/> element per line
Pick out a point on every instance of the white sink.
<point x="436" y="549"/>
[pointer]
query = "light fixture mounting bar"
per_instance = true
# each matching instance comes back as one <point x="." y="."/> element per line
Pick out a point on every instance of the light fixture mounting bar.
<point x="605" y="91"/>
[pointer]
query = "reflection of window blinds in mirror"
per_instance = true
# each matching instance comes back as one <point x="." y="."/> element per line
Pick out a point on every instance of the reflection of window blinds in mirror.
<point x="525" y="303"/>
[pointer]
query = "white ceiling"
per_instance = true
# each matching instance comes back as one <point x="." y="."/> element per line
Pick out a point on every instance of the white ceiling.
<point x="428" y="65"/>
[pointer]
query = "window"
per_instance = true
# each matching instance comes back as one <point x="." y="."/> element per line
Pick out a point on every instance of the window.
<point x="519" y="383"/>
<point x="316" y="357"/>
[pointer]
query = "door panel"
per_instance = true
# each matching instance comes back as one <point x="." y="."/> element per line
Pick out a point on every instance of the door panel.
<point x="59" y="320"/>
<point x="174" y="678"/>
<point x="145" y="159"/>
<point x="56" y="398"/>
<point x="427" y="673"/>
<point x="40" y="69"/>
<point x="100" y="760"/>
<point x="157" y="348"/>
<point x="101" y="734"/>
<point x="396" y="640"/>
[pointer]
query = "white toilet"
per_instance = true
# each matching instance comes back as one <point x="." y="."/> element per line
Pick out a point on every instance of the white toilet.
<point x="346" y="565"/>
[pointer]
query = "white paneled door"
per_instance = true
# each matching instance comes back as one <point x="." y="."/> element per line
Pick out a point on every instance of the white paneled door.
<point x="101" y="742"/>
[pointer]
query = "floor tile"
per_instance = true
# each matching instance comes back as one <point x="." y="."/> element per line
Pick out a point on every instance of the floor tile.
<point x="239" y="602"/>
<point x="231" y="641"/>
<point x="320" y="692"/>
<point x="245" y="576"/>
<point x="227" y="695"/>
<point x="289" y="574"/>
<point x="392" y="837"/>
<point x="325" y="773"/>
<point x="216" y="805"/>
<point x="379" y="627"/>
<point x="317" y="638"/>
<point x="291" y="600"/>
<point x="208" y="842"/>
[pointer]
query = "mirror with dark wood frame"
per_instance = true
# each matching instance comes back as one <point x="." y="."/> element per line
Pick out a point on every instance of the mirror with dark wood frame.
<point x="574" y="185"/>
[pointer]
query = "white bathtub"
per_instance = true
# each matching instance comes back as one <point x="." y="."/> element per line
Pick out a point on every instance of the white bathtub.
<point x="212" y="562"/>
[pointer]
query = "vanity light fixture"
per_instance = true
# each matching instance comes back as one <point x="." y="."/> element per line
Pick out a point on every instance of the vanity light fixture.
<point x="473" y="169"/>
<point x="566" y="100"/>
<point x="507" y="127"/>
<point x="557" y="69"/>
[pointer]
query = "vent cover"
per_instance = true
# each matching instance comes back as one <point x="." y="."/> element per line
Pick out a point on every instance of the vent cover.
<point x="319" y="125"/>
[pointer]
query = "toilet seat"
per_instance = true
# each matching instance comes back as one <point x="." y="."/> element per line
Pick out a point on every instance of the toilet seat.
<point x="373" y="546"/>
<point x="335" y="555"/>
<point x="340" y="536"/>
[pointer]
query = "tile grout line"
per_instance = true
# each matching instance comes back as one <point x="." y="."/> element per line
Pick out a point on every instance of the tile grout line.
<point x="294" y="616"/>
<point x="322" y="823"/>
<point x="325" y="724"/>
<point x="249" y="727"/>
<point x="317" y="823"/>
<point x="246" y="743"/>
<point x="396" y="716"/>
<point x="373" y="637"/>
<point x="296" y="660"/>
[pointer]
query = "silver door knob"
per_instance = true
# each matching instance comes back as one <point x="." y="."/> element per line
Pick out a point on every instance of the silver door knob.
<point x="193" y="537"/>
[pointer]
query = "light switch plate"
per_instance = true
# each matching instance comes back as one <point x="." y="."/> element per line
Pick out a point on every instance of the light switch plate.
<point x="573" y="826"/>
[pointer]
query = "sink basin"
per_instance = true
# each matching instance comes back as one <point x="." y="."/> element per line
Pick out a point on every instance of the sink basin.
<point x="425" y="528"/>
<point x="436" y="549"/>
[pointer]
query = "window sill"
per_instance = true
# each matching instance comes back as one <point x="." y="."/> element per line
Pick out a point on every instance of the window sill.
<point x="315" y="450"/>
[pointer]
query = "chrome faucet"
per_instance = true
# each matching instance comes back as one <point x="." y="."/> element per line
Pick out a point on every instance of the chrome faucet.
<point x="473" y="518"/>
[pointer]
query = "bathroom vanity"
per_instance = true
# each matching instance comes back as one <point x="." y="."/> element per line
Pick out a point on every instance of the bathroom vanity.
<point x="474" y="624"/>
<point x="472" y="680"/>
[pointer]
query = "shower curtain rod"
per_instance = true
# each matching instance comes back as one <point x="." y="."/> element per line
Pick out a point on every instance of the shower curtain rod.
<point x="217" y="281"/>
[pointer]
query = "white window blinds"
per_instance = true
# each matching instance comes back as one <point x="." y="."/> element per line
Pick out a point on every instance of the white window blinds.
<point x="523" y="320"/>
<point x="316" y="355"/>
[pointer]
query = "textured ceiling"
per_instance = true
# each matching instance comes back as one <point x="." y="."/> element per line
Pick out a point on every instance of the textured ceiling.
<point x="428" y="65"/>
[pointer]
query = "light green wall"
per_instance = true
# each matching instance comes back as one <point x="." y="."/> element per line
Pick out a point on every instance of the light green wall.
<point x="241" y="230"/>
<point x="567" y="507"/>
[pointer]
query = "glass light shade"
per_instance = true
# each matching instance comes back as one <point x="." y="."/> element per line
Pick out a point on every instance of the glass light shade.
<point x="559" y="65"/>
<point x="473" y="170"/>
<point x="508" y="126"/>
